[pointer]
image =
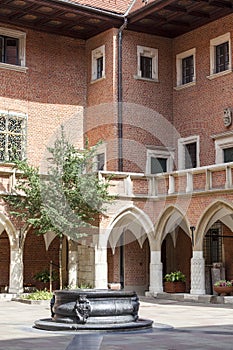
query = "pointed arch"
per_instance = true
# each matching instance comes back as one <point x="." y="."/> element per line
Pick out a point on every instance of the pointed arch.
<point x="130" y="218"/>
<point x="219" y="210"/>
<point x="6" y="224"/>
<point x="170" y="219"/>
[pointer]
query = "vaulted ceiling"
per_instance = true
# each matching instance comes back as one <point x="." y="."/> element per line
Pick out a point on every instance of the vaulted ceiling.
<point x="168" y="18"/>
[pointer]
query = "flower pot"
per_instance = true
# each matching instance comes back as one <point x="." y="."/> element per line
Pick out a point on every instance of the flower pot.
<point x="223" y="290"/>
<point x="174" y="287"/>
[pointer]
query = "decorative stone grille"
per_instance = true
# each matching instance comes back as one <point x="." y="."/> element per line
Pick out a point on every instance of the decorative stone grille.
<point x="12" y="136"/>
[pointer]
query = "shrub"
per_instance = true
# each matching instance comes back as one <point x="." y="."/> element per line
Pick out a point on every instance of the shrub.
<point x="38" y="295"/>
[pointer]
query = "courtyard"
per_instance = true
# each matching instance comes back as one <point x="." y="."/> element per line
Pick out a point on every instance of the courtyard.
<point x="177" y="326"/>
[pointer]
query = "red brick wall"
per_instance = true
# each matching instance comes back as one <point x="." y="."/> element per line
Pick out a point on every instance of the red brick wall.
<point x="136" y="263"/>
<point x="51" y="89"/>
<point x="198" y="110"/>
<point x="37" y="259"/>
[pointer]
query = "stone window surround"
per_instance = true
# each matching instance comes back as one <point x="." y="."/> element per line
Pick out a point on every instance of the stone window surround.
<point x="179" y="58"/>
<point x="181" y="150"/>
<point x="159" y="152"/>
<point x="222" y="141"/>
<point x="147" y="52"/>
<point x="22" y="49"/>
<point x="95" y="54"/>
<point x="213" y="43"/>
<point x="102" y="148"/>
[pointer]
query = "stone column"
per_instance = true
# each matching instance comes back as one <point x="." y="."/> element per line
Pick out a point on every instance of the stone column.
<point x="101" y="268"/>
<point x="16" y="271"/>
<point x="156" y="273"/>
<point x="73" y="265"/>
<point x="197" y="273"/>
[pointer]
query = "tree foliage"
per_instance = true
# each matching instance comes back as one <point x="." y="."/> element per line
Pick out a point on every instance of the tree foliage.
<point x="67" y="198"/>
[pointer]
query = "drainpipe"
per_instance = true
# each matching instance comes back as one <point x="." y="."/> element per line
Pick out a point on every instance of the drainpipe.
<point x="120" y="122"/>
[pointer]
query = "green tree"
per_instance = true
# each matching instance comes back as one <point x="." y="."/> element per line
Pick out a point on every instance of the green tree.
<point x="66" y="199"/>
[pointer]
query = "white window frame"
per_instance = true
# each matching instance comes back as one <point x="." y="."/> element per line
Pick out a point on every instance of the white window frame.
<point x="222" y="142"/>
<point x="182" y="142"/>
<point x="95" y="55"/>
<point x="147" y="52"/>
<point x="23" y="117"/>
<point x="101" y="149"/>
<point x="21" y="36"/>
<point x="213" y="43"/>
<point x="160" y="152"/>
<point x="179" y="59"/>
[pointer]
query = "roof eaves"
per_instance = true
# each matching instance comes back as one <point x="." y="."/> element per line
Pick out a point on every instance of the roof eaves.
<point x="91" y="9"/>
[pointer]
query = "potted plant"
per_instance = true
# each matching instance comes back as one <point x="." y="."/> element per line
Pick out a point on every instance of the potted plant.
<point x="174" y="282"/>
<point x="223" y="287"/>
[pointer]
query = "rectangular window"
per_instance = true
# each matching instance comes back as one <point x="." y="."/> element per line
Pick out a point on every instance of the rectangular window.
<point x="190" y="155"/>
<point x="100" y="161"/>
<point x="146" y="67"/>
<point x="187" y="69"/>
<point x="222" y="57"/>
<point x="147" y="63"/>
<point x="9" y="49"/>
<point x="99" y="63"/>
<point x="12" y="137"/>
<point x="158" y="165"/>
<point x="228" y="154"/>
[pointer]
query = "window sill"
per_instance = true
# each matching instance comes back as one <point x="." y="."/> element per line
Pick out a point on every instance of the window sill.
<point x="184" y="86"/>
<point x="155" y="80"/>
<point x="220" y="74"/>
<point x="97" y="80"/>
<point x="13" y="67"/>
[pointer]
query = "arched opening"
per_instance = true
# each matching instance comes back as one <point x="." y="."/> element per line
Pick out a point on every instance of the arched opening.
<point x="176" y="253"/>
<point x="128" y="251"/>
<point x="176" y="245"/>
<point x="129" y="263"/>
<point x="218" y="245"/>
<point x="4" y="261"/>
<point x="37" y="257"/>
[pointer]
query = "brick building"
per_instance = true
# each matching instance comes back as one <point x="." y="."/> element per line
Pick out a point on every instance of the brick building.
<point x="153" y="80"/>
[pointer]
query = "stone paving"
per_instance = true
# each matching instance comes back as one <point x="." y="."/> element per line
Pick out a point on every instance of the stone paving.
<point x="177" y="326"/>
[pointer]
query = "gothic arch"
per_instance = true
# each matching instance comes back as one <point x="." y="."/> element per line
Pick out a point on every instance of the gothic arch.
<point x="219" y="210"/>
<point x="170" y="219"/>
<point x="6" y="224"/>
<point x="130" y="218"/>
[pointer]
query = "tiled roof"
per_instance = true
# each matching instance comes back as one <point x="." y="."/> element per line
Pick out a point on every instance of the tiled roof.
<point x="115" y="6"/>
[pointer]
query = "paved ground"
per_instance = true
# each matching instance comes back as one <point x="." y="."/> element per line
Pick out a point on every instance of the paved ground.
<point x="195" y="326"/>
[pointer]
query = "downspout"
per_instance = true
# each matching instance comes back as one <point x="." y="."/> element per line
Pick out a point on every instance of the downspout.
<point x="120" y="97"/>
